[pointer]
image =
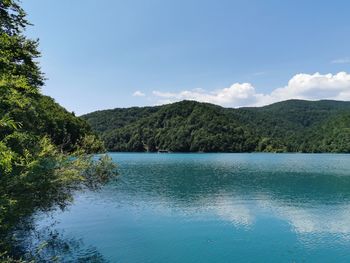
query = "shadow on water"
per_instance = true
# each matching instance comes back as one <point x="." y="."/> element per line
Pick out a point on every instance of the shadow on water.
<point x="46" y="244"/>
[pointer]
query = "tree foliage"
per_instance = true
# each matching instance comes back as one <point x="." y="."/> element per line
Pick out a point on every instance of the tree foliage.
<point x="189" y="126"/>
<point x="44" y="149"/>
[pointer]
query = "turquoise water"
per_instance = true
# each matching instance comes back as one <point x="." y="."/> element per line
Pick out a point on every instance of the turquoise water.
<point x="215" y="208"/>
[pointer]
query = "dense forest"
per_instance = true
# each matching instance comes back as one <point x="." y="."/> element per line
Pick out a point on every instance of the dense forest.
<point x="189" y="126"/>
<point x="44" y="149"/>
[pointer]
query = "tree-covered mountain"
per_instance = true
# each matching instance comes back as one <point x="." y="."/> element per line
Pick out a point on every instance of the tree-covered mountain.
<point x="189" y="126"/>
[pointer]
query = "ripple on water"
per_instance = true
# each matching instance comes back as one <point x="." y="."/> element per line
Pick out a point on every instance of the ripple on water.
<point x="218" y="208"/>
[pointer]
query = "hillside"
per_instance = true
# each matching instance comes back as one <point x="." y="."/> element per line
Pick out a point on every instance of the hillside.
<point x="44" y="149"/>
<point x="189" y="126"/>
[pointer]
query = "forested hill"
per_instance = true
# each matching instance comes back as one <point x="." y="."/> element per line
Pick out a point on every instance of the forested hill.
<point x="189" y="126"/>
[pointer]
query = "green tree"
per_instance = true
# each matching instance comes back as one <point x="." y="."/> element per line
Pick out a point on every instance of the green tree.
<point x="44" y="149"/>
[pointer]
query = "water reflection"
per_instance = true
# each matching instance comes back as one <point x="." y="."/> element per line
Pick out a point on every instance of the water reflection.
<point x="208" y="207"/>
<point x="47" y="244"/>
<point x="234" y="212"/>
<point x="311" y="192"/>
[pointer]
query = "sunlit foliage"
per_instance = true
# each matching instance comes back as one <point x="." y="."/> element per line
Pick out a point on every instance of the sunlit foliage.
<point x="188" y="126"/>
<point x="44" y="149"/>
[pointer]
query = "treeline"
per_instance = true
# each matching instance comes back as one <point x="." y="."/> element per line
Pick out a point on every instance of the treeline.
<point x="189" y="126"/>
<point x="44" y="149"/>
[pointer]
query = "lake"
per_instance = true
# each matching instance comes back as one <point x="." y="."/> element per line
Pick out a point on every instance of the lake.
<point x="213" y="208"/>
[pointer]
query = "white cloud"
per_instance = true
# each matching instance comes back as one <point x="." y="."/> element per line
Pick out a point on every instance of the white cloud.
<point x="238" y="94"/>
<point x="316" y="86"/>
<point x="301" y="86"/>
<point x="341" y="61"/>
<point x="138" y="94"/>
<point x="259" y="73"/>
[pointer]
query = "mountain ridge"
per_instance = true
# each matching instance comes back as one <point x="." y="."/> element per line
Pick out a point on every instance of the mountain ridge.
<point x="191" y="126"/>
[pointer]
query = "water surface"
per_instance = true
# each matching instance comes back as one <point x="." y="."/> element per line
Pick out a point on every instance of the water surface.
<point x="216" y="208"/>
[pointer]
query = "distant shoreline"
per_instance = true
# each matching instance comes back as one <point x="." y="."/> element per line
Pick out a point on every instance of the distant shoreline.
<point x="190" y="126"/>
<point x="232" y="152"/>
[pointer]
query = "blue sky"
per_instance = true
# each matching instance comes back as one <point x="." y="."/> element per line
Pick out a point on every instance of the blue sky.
<point x="100" y="54"/>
